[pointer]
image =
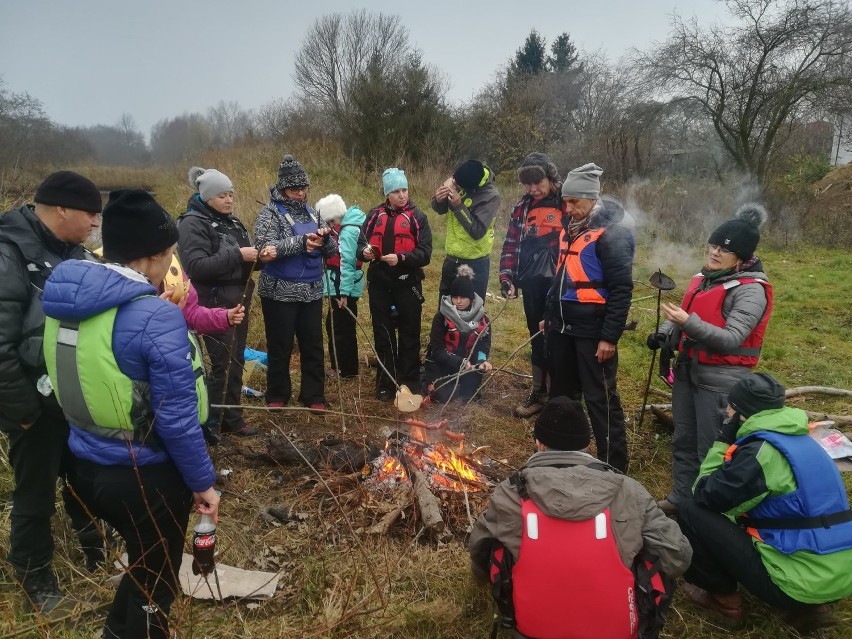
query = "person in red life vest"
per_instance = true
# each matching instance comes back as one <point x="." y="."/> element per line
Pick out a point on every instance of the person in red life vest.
<point x="769" y="512"/>
<point x="717" y="330"/>
<point x="343" y="284"/>
<point x="459" y="341"/>
<point x="565" y="542"/>
<point x="290" y="286"/>
<point x="397" y="242"/>
<point x="528" y="260"/>
<point x="469" y="198"/>
<point x="588" y="305"/>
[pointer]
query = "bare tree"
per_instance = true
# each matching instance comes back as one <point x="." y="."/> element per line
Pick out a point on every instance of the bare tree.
<point x="229" y="122"/>
<point x="336" y="51"/>
<point x="757" y="79"/>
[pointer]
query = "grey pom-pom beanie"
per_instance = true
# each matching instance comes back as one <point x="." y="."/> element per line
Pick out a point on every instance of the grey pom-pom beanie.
<point x="209" y="182"/>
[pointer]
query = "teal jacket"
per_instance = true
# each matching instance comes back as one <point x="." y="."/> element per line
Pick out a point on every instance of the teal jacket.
<point x="349" y="277"/>
<point x="758" y="470"/>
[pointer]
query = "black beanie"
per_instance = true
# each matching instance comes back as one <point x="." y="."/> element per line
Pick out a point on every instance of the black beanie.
<point x="462" y="286"/>
<point x="469" y="174"/>
<point x="291" y="174"/>
<point x="70" y="190"/>
<point x="741" y="234"/>
<point x="135" y="226"/>
<point x="537" y="166"/>
<point x="562" y="425"/>
<point x="756" y="392"/>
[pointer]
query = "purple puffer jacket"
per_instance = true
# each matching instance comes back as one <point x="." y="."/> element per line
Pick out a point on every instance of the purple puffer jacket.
<point x="150" y="344"/>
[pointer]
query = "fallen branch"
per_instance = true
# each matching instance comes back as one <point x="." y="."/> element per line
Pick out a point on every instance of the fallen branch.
<point x="382" y="526"/>
<point x="818" y="390"/>
<point x="812" y="415"/>
<point x="427" y="503"/>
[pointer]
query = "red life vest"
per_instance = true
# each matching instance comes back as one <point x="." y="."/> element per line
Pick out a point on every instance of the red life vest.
<point x="334" y="262"/>
<point x="403" y="225"/>
<point x="708" y="306"/>
<point x="545" y="219"/>
<point x="452" y="336"/>
<point x="569" y="581"/>
<point x="583" y="273"/>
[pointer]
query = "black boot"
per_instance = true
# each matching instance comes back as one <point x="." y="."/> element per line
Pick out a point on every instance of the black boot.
<point x="42" y="593"/>
<point x="96" y="542"/>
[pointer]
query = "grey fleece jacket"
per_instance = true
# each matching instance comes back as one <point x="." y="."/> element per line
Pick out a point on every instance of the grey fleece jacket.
<point x="580" y="493"/>
<point x="742" y="308"/>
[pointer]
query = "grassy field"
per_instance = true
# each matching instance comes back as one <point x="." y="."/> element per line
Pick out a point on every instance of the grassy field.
<point x="337" y="583"/>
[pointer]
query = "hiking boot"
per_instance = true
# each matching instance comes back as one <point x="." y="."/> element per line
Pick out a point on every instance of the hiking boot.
<point x="531" y="406"/>
<point x="809" y="618"/>
<point x="728" y="608"/>
<point x="96" y="546"/>
<point x="669" y="508"/>
<point x="385" y="395"/>
<point x="317" y="408"/>
<point x="243" y="431"/>
<point x="42" y="593"/>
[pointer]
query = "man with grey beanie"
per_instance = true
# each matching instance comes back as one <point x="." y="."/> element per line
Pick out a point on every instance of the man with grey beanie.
<point x="588" y="305"/>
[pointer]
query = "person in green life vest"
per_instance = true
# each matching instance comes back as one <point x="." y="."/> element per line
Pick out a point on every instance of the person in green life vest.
<point x="469" y="198"/>
<point x="129" y="379"/>
<point x="769" y="512"/>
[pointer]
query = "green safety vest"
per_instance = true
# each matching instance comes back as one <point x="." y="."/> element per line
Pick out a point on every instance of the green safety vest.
<point x="459" y="242"/>
<point x="90" y="387"/>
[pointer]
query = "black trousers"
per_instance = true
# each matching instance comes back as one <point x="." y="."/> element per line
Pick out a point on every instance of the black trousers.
<point x="575" y="372"/>
<point x="227" y="359"/>
<point x="723" y="555"/>
<point x="397" y="342"/>
<point x="468" y="383"/>
<point x="342" y="334"/>
<point x="38" y="456"/>
<point x="535" y="299"/>
<point x="149" y="507"/>
<point x="480" y="266"/>
<point x="302" y="321"/>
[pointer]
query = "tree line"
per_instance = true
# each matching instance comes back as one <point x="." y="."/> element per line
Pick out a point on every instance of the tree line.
<point x="751" y="96"/>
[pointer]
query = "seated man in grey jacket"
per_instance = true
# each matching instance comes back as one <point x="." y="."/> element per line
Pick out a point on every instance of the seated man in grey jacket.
<point x="569" y="544"/>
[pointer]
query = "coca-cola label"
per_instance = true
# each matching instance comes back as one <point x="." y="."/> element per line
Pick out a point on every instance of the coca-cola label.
<point x="205" y="541"/>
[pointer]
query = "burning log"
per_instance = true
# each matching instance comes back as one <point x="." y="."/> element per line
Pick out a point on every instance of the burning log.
<point x="427" y="503"/>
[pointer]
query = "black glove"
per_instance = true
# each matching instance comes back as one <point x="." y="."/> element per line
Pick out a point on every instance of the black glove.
<point x="505" y="285"/>
<point x="730" y="427"/>
<point x="656" y="340"/>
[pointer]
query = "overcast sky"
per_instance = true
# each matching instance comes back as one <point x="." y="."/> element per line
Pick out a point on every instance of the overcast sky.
<point x="89" y="61"/>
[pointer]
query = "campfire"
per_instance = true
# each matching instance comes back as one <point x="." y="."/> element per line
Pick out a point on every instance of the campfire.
<point x="445" y="469"/>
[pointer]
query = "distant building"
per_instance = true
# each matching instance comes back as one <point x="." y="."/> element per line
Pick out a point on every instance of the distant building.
<point x="841" y="149"/>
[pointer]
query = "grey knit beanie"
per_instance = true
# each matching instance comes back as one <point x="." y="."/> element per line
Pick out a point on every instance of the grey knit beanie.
<point x="537" y="166"/>
<point x="583" y="182"/>
<point x="209" y="182"/>
<point x="291" y="174"/>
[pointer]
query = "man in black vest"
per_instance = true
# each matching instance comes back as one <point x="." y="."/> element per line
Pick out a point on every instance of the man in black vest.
<point x="33" y="240"/>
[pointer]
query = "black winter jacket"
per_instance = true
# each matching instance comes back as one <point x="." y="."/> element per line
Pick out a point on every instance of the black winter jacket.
<point x="209" y="249"/>
<point x="28" y="253"/>
<point x="615" y="250"/>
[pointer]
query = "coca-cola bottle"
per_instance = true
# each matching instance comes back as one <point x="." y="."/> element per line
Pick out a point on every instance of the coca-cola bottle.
<point x="203" y="546"/>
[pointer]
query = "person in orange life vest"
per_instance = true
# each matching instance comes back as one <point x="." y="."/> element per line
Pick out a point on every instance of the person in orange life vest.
<point x="528" y="260"/>
<point x="469" y="198"/>
<point x="397" y="242"/>
<point x="574" y="528"/>
<point x="717" y="330"/>
<point x="290" y="286"/>
<point x="588" y="305"/>
<point x="459" y="341"/>
<point x="769" y="512"/>
<point x="343" y="283"/>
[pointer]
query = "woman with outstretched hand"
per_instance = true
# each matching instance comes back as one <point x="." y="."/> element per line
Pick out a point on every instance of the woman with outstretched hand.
<point x="717" y="330"/>
<point x="129" y="378"/>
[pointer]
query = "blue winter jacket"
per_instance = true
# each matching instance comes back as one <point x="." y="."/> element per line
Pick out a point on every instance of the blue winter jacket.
<point x="150" y="344"/>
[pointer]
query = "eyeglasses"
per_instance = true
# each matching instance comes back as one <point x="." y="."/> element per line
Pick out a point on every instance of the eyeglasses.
<point x="297" y="189"/>
<point x="716" y="247"/>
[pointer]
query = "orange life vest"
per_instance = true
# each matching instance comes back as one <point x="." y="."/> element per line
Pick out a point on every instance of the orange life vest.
<point x="583" y="276"/>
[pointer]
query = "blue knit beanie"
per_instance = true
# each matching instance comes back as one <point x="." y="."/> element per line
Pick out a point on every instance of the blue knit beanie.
<point x="393" y="179"/>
